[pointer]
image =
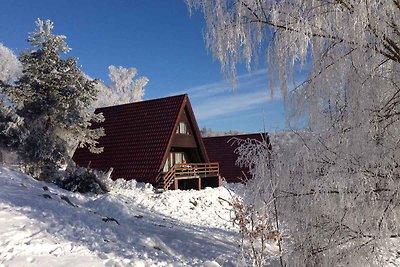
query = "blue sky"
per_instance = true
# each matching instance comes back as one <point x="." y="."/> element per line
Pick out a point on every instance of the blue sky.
<point x="163" y="42"/>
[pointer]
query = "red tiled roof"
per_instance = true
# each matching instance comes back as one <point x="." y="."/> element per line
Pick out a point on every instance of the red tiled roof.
<point x="222" y="149"/>
<point x="137" y="137"/>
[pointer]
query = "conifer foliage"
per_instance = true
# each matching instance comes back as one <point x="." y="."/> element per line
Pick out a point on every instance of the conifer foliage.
<point x="53" y="98"/>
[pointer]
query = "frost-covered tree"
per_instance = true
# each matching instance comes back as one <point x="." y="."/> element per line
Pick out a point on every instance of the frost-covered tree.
<point x="122" y="81"/>
<point x="337" y="183"/>
<point x="10" y="70"/>
<point x="289" y="31"/>
<point x="123" y="89"/>
<point x="12" y="130"/>
<point x="53" y="97"/>
<point x="10" y="67"/>
<point x="208" y="132"/>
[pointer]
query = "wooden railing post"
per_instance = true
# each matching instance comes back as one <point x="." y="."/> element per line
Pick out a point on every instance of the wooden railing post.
<point x="189" y="170"/>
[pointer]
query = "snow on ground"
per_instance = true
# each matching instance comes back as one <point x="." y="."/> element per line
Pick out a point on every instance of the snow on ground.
<point x="43" y="225"/>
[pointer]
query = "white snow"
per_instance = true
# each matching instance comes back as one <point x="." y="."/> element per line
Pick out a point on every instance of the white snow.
<point x="43" y="225"/>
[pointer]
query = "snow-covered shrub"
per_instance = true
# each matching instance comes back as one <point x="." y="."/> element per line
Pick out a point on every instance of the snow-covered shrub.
<point x="105" y="180"/>
<point x="255" y="213"/>
<point x="259" y="236"/>
<point x="48" y="173"/>
<point x="124" y="184"/>
<point x="84" y="180"/>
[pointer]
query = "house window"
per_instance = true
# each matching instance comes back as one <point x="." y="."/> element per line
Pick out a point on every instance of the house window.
<point x="179" y="158"/>
<point x="182" y="128"/>
<point x="166" y="166"/>
<point x="174" y="158"/>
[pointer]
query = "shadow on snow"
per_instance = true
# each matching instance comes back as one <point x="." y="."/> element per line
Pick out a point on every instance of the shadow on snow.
<point x="139" y="233"/>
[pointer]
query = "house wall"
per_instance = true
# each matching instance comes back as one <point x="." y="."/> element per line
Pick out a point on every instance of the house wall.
<point x="187" y="143"/>
<point x="184" y="143"/>
<point x="184" y="140"/>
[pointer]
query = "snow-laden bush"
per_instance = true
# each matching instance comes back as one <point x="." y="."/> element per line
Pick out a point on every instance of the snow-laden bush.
<point x="254" y="213"/>
<point x="124" y="184"/>
<point x="259" y="239"/>
<point x="84" y="180"/>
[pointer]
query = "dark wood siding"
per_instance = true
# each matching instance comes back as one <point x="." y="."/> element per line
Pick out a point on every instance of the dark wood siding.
<point x="184" y="140"/>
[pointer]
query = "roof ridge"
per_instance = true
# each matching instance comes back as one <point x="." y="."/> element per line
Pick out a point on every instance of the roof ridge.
<point x="232" y="135"/>
<point x="136" y="138"/>
<point x="144" y="101"/>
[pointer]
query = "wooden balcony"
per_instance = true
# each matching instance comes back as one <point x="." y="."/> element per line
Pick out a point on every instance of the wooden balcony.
<point x="188" y="171"/>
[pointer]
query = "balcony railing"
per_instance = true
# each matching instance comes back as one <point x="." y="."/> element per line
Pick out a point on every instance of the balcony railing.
<point x="188" y="171"/>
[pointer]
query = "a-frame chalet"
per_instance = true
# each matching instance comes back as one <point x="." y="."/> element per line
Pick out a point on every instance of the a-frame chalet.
<point x="156" y="141"/>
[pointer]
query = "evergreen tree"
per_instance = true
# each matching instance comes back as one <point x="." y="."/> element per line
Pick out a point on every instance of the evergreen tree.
<point x="53" y="96"/>
<point x="12" y="130"/>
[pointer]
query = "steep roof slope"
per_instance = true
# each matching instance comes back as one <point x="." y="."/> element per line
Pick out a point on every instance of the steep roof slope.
<point x="222" y="149"/>
<point x="137" y="137"/>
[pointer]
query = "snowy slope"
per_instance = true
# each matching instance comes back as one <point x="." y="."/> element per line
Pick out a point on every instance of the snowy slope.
<point x="42" y="225"/>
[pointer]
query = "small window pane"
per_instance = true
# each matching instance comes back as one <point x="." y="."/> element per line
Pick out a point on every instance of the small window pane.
<point x="182" y="129"/>
<point x="166" y="166"/>
<point x="171" y="159"/>
<point x="178" y="158"/>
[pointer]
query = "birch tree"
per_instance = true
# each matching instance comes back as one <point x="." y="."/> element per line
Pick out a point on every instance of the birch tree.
<point x="10" y="70"/>
<point x="336" y="184"/>
<point x="10" y="67"/>
<point x="124" y="88"/>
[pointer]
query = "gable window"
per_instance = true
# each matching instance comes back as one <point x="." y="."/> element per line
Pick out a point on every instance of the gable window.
<point x="182" y="128"/>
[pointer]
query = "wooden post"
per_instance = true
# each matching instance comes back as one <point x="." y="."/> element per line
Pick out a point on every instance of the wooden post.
<point x="199" y="183"/>
<point x="176" y="185"/>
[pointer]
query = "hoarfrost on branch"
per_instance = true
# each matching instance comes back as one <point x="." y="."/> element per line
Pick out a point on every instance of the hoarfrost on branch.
<point x="336" y="183"/>
<point x="123" y="89"/>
